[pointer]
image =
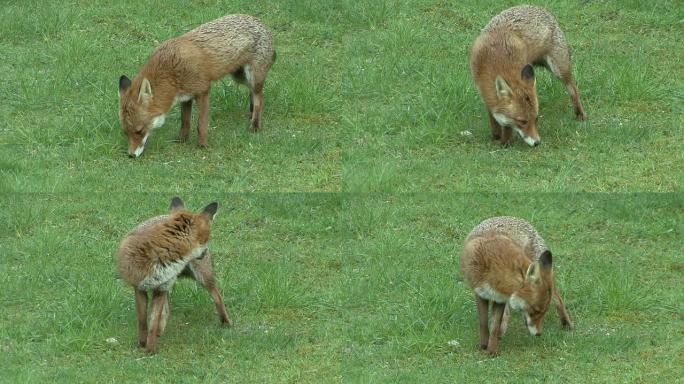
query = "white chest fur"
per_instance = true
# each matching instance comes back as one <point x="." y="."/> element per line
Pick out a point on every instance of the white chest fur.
<point x="182" y="98"/>
<point x="486" y="292"/>
<point x="502" y="119"/>
<point x="158" y="121"/>
<point x="162" y="277"/>
<point x="517" y="303"/>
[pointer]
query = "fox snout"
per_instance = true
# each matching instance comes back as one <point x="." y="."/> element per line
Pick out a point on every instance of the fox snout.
<point x="535" y="329"/>
<point x="136" y="145"/>
<point x="529" y="135"/>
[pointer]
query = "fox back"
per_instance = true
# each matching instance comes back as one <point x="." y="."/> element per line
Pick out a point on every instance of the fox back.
<point x="233" y="42"/>
<point x="502" y="60"/>
<point x="182" y="69"/>
<point x="153" y="255"/>
<point x="520" y="231"/>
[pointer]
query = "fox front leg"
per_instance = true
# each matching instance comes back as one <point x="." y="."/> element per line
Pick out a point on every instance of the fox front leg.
<point x="159" y="301"/>
<point x="506" y="137"/>
<point x="497" y="313"/>
<point x="141" y="312"/>
<point x="203" y="123"/>
<point x="482" y="311"/>
<point x="495" y="127"/>
<point x="186" y="114"/>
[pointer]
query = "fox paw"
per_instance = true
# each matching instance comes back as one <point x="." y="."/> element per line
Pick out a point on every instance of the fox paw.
<point x="227" y="323"/>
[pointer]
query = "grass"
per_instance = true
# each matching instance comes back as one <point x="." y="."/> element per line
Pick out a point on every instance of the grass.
<point x="346" y="287"/>
<point x="340" y="224"/>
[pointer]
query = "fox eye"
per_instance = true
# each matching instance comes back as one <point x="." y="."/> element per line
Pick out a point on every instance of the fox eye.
<point x="521" y="122"/>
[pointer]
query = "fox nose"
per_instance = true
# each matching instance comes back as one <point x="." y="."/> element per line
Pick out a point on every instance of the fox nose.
<point x="136" y="152"/>
<point x="538" y="334"/>
<point x="131" y="155"/>
<point x="536" y="143"/>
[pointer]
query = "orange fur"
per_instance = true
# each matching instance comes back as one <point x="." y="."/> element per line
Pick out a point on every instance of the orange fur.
<point x="153" y="255"/>
<point x="183" y="68"/>
<point x="500" y="262"/>
<point x="501" y="62"/>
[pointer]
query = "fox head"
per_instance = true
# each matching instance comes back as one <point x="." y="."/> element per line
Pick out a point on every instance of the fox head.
<point x="517" y="105"/>
<point x="201" y="222"/>
<point x="535" y="295"/>
<point x="135" y="114"/>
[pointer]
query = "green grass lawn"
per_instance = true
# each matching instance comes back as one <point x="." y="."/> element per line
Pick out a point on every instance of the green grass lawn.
<point x="337" y="239"/>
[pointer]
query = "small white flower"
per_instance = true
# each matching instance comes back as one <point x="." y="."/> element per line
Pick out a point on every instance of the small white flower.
<point x="112" y="340"/>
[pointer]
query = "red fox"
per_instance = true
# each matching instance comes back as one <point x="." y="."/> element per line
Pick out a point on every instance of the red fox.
<point x="506" y="263"/>
<point x="182" y="69"/>
<point x="501" y="62"/>
<point x="152" y="256"/>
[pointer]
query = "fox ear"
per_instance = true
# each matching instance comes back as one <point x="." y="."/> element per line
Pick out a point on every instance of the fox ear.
<point x="546" y="260"/>
<point x="177" y="204"/>
<point x="145" y="94"/>
<point x="527" y="73"/>
<point x="124" y="83"/>
<point x="532" y="274"/>
<point x="210" y="210"/>
<point x="502" y="88"/>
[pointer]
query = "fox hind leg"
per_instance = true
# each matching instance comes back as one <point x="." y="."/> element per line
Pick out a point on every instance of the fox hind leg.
<point x="559" y="64"/>
<point x="566" y="323"/>
<point x="203" y="272"/>
<point x="220" y="307"/>
<point x="255" y="82"/>
<point x="208" y="281"/>
<point x="258" y="107"/>
<point x="574" y="93"/>
<point x="240" y="76"/>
